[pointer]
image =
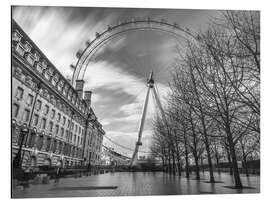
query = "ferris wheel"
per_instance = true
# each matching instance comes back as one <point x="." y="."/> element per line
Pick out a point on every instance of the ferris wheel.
<point x="86" y="55"/>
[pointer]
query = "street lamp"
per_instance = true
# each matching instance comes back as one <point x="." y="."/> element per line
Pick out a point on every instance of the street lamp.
<point x="17" y="160"/>
<point x="13" y="122"/>
<point x="90" y="118"/>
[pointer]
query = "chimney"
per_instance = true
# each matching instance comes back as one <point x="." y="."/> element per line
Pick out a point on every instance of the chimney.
<point x="87" y="97"/>
<point x="79" y="87"/>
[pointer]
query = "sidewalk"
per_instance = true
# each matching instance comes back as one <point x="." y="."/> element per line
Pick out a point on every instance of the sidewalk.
<point x="137" y="183"/>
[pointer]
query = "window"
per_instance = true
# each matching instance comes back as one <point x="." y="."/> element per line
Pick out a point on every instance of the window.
<point x="66" y="134"/>
<point x="54" y="146"/>
<point x="31" y="140"/>
<point x="71" y="136"/>
<point x="59" y="87"/>
<point x="65" y="149"/>
<point x="50" y="126"/>
<point x="56" y="129"/>
<point x="68" y="123"/>
<point x="46" y="110"/>
<point x="58" y="117"/>
<point x="40" y="142"/>
<point x="35" y="120"/>
<point x="30" y="99"/>
<point x="69" y="95"/>
<point x="38" y="105"/>
<point x="60" y="148"/>
<point x="72" y="126"/>
<point x="15" y="110"/>
<point x="75" y="139"/>
<point x="19" y="93"/>
<point x="48" y="144"/>
<point x="26" y="114"/>
<point x="43" y="123"/>
<point x="64" y="121"/>
<point x="62" y="132"/>
<point x="53" y="114"/>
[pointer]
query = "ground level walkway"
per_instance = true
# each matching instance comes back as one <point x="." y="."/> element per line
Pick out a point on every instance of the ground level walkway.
<point x="137" y="183"/>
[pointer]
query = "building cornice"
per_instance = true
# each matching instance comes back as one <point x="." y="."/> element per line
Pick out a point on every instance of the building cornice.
<point x="47" y="85"/>
<point x="34" y="61"/>
<point x="34" y="54"/>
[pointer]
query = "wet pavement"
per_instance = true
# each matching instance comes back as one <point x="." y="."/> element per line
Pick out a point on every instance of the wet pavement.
<point x="137" y="183"/>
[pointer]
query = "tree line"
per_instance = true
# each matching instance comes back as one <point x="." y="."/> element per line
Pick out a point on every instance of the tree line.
<point x="212" y="113"/>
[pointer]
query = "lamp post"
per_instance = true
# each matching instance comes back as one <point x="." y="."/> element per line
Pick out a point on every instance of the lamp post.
<point x="85" y="134"/>
<point x="17" y="160"/>
<point x="91" y="118"/>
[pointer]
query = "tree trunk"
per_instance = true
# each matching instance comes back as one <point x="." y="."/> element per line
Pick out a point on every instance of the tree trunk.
<point x="197" y="166"/>
<point x="202" y="118"/>
<point x="246" y="167"/>
<point x="238" y="183"/>
<point x="195" y="153"/>
<point x="177" y="154"/>
<point x="202" y="164"/>
<point x="187" y="167"/>
<point x="217" y="159"/>
<point x="206" y="142"/>
<point x="244" y="159"/>
<point x="186" y="156"/>
<point x="173" y="163"/>
<point x="212" y="179"/>
<point x="163" y="164"/>
<point x="167" y="165"/>
<point x="179" y="168"/>
<point x="229" y="160"/>
<point x="169" y="162"/>
<point x="178" y="161"/>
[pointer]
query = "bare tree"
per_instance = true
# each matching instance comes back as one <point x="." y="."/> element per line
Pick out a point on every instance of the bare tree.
<point x="214" y="106"/>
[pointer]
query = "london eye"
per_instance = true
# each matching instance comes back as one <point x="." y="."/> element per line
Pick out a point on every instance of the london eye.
<point x="94" y="51"/>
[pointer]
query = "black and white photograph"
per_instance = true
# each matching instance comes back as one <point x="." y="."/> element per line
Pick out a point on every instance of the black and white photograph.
<point x="118" y="101"/>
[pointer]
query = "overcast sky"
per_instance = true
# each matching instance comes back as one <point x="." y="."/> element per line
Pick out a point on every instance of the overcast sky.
<point x="117" y="75"/>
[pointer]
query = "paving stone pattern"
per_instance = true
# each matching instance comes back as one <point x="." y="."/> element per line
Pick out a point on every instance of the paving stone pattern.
<point x="136" y="183"/>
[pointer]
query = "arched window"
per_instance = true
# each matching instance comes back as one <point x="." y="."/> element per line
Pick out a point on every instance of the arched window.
<point x="66" y="149"/>
<point x="20" y="137"/>
<point x="48" y="144"/>
<point x="15" y="134"/>
<point x="75" y="151"/>
<point x="47" y="162"/>
<point x="33" y="162"/>
<point x="71" y="151"/>
<point x="54" y="146"/>
<point x="40" y="142"/>
<point x="31" y="140"/>
<point x="60" y="147"/>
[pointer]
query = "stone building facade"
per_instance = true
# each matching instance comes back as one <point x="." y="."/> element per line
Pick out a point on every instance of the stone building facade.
<point x="62" y="129"/>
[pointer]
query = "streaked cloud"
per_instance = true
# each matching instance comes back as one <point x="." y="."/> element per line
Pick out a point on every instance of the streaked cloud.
<point x="117" y="75"/>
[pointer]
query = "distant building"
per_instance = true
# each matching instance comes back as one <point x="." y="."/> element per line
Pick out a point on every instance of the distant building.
<point x="62" y="128"/>
<point x="142" y="158"/>
<point x="111" y="157"/>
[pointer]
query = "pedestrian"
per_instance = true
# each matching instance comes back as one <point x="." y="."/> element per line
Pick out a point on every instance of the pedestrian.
<point x="57" y="174"/>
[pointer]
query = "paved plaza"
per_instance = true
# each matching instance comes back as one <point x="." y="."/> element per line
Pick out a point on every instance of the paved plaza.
<point x="137" y="183"/>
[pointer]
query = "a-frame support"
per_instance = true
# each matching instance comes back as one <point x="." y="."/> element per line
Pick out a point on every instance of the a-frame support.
<point x="150" y="85"/>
